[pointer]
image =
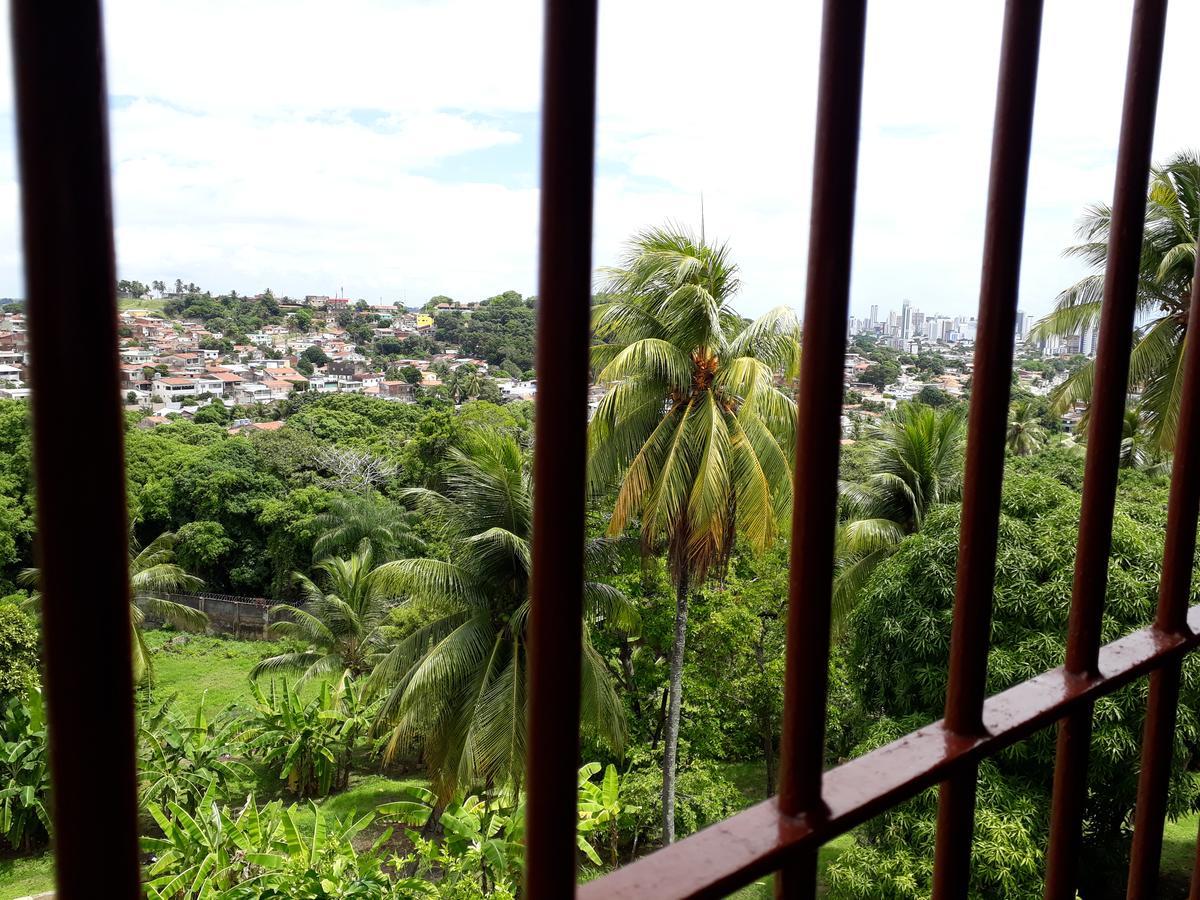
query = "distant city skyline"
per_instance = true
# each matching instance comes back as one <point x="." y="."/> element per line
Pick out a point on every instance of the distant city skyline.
<point x="382" y="146"/>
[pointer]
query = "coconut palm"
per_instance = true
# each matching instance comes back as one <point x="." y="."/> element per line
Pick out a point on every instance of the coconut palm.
<point x="1164" y="287"/>
<point x="340" y="623"/>
<point x="465" y="382"/>
<point x="1138" y="447"/>
<point x="457" y="684"/>
<point x="153" y="575"/>
<point x="1025" y="431"/>
<point x="353" y="518"/>
<point x="694" y="431"/>
<point x="917" y="464"/>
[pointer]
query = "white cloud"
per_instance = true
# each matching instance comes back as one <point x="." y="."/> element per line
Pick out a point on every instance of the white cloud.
<point x="384" y="147"/>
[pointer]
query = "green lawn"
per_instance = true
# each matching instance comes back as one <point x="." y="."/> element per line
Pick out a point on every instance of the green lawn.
<point x="21" y="877"/>
<point x="133" y="303"/>
<point x="211" y="670"/>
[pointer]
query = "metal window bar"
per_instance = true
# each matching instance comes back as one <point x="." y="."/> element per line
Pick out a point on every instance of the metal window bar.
<point x="66" y="214"/>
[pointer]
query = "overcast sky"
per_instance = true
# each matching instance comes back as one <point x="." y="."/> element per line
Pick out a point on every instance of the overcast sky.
<point x="390" y="148"/>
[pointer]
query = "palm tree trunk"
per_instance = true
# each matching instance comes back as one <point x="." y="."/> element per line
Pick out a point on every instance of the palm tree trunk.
<point x="671" y="741"/>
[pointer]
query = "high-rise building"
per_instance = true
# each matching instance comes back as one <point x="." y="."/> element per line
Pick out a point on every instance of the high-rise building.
<point x="1022" y="325"/>
<point x="905" y="320"/>
<point x="874" y="320"/>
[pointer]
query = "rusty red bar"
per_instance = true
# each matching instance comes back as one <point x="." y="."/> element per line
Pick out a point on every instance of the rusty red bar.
<point x="1012" y="136"/>
<point x="66" y="214"/>
<point x="560" y="444"/>
<point x="1104" y="434"/>
<point x="819" y="399"/>
<point x="756" y="841"/>
<point x="1179" y="555"/>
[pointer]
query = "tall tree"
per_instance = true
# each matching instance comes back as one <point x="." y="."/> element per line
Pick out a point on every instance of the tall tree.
<point x="457" y="684"/>
<point x="1025" y="431"/>
<point x="693" y="429"/>
<point x="1164" y="289"/>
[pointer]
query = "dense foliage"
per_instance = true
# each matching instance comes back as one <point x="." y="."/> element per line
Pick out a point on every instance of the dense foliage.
<point x="898" y="662"/>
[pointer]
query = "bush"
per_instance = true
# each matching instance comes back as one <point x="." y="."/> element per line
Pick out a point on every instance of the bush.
<point x="702" y="796"/>
<point x="18" y="651"/>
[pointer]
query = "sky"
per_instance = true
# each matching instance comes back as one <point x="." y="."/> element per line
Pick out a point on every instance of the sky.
<point x="389" y="148"/>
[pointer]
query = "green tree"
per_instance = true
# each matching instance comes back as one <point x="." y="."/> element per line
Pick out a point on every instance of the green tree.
<point x="340" y="623"/>
<point x="931" y="396"/>
<point x="316" y="356"/>
<point x="1163" y="296"/>
<point x="302" y="320"/>
<point x="354" y="518"/>
<point x="18" y="652"/>
<point x="458" y="683"/>
<point x="1025" y="431"/>
<point x="899" y="646"/>
<point x="693" y="427"/>
<point x="880" y="374"/>
<point x="411" y="374"/>
<point x="916" y="463"/>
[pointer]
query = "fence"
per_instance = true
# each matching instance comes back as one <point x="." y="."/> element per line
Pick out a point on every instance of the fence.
<point x="242" y="617"/>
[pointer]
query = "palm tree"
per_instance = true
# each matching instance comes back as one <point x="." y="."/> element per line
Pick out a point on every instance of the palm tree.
<point x="353" y="518"/>
<point x="916" y="465"/>
<point x="1025" y="431"/>
<point x="693" y="428"/>
<point x="465" y="383"/>
<point x="340" y="624"/>
<point x="1164" y="288"/>
<point x="458" y="683"/>
<point x="152" y="575"/>
<point x="1138" y="448"/>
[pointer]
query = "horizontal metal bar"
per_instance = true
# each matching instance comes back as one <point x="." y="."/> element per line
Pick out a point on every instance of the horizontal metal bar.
<point x="759" y="840"/>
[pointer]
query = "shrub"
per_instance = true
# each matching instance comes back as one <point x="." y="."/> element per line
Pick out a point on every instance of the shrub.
<point x="18" y="651"/>
<point x="702" y="796"/>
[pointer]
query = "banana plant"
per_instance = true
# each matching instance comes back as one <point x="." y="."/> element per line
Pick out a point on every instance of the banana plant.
<point x="311" y="742"/>
<point x="259" y="853"/>
<point x="599" y="806"/>
<point x="24" y="772"/>
<point x="178" y="761"/>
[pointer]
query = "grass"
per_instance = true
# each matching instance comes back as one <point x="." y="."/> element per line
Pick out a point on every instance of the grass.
<point x="208" y="670"/>
<point x="1178" y="855"/>
<point x="135" y="303"/>
<point x="22" y="877"/>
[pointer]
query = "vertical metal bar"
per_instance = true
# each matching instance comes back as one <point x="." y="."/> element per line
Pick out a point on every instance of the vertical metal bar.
<point x="560" y="444"/>
<point x="1178" y="556"/>
<point x="62" y="131"/>
<point x="1012" y="135"/>
<point x="1104" y="434"/>
<point x="814" y="509"/>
